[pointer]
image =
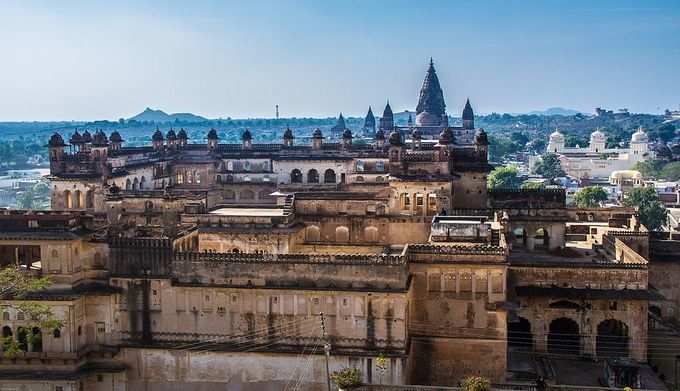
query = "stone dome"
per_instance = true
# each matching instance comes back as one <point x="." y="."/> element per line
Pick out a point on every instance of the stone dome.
<point x="416" y="135"/>
<point x="76" y="138"/>
<point x="115" y="137"/>
<point x="171" y="135"/>
<point x="288" y="134"/>
<point x="639" y="136"/>
<point x="212" y="134"/>
<point x="317" y="133"/>
<point x="395" y="138"/>
<point x="427" y="119"/>
<point x="446" y="136"/>
<point x="182" y="135"/>
<point x="56" y="140"/>
<point x="556" y="137"/>
<point x="347" y="133"/>
<point x="380" y="135"/>
<point x="87" y="137"/>
<point x="598" y="136"/>
<point x="481" y="138"/>
<point x="247" y="136"/>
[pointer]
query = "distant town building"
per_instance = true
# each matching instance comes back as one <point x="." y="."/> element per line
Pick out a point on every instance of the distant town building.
<point x="596" y="160"/>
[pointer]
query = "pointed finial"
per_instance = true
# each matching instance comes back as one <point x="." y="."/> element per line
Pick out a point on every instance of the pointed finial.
<point x="431" y="62"/>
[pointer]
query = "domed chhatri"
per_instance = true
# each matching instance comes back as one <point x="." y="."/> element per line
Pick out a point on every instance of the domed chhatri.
<point x="212" y="135"/>
<point x="395" y="138"/>
<point x="56" y="141"/>
<point x="317" y="133"/>
<point x="347" y="134"/>
<point x="115" y="137"/>
<point x="182" y="135"/>
<point x="288" y="134"/>
<point x="87" y="137"/>
<point x="157" y="135"/>
<point x="481" y="138"/>
<point x="446" y="136"/>
<point x="247" y="136"/>
<point x="171" y="135"/>
<point x="639" y="136"/>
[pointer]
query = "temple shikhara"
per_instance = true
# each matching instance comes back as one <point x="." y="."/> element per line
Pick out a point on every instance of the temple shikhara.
<point x="213" y="266"/>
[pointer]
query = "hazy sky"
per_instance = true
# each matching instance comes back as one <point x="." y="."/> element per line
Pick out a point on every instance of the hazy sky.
<point x="63" y="60"/>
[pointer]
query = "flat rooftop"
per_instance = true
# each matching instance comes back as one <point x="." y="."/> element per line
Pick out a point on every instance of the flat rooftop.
<point x="248" y="212"/>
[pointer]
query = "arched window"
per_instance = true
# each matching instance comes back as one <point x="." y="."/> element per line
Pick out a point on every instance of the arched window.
<point x="329" y="176"/>
<point x="22" y="338"/>
<point x="98" y="260"/>
<point x="312" y="176"/>
<point x="379" y="178"/>
<point x="68" y="199"/>
<point x="360" y="178"/>
<point x="341" y="234"/>
<point x="197" y="177"/>
<point x="128" y="184"/>
<point x="6" y="332"/>
<point x="36" y="340"/>
<point x="77" y="198"/>
<point x="295" y="176"/>
<point x="5" y="315"/>
<point x="247" y="195"/>
<point x="142" y="183"/>
<point x="190" y="177"/>
<point x="135" y="184"/>
<point x="312" y="233"/>
<point x="179" y="178"/>
<point x="371" y="234"/>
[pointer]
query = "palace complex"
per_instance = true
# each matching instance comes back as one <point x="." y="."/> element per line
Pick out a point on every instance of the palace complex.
<point x="183" y="266"/>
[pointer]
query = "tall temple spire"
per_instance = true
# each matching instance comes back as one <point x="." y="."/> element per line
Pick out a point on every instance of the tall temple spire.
<point x="369" y="121"/>
<point x="431" y="107"/>
<point x="468" y="116"/>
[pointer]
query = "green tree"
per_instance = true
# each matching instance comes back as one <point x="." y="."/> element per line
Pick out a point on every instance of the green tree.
<point x="475" y="383"/>
<point x="665" y="133"/>
<point x="15" y="285"/>
<point x="670" y="171"/>
<point x="652" y="211"/>
<point x="649" y="168"/>
<point x="549" y="167"/>
<point x="506" y="177"/>
<point x="590" y="197"/>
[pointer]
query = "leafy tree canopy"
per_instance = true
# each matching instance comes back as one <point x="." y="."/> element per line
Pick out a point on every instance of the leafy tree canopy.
<point x="506" y="177"/>
<point x="652" y="211"/>
<point x="590" y="197"/>
<point x="549" y="167"/>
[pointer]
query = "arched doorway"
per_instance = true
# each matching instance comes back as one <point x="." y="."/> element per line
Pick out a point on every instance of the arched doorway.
<point x="312" y="176"/>
<point x="541" y="239"/>
<point x="519" y="334"/>
<point x="564" y="337"/>
<point x="612" y="339"/>
<point x="519" y="237"/>
<point x="296" y="176"/>
<point x="329" y="176"/>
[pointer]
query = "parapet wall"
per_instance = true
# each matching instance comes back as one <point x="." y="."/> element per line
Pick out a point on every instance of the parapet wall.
<point x="342" y="272"/>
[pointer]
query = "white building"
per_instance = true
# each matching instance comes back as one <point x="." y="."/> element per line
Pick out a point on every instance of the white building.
<point x="595" y="160"/>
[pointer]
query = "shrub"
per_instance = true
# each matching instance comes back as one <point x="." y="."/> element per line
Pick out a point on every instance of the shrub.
<point x="476" y="383"/>
<point x="347" y="377"/>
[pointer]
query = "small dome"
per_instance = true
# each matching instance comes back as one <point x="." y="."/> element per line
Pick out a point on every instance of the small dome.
<point x="212" y="134"/>
<point x="288" y="134"/>
<point x="317" y="133"/>
<point x="481" y="137"/>
<point x="556" y="136"/>
<point x="446" y="136"/>
<point x="597" y="136"/>
<point x="395" y="138"/>
<point x="171" y="135"/>
<point x="100" y="139"/>
<point x="114" y="189"/>
<point x="380" y="135"/>
<point x="246" y="135"/>
<point x="347" y="134"/>
<point x="416" y="135"/>
<point x="76" y="138"/>
<point x="56" y="140"/>
<point x="115" y="137"/>
<point x="427" y="119"/>
<point x="640" y="136"/>
<point x="157" y="135"/>
<point x="182" y="135"/>
<point x="87" y="137"/>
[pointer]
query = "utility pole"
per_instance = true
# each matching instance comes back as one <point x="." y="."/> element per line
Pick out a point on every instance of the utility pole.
<point x="327" y="348"/>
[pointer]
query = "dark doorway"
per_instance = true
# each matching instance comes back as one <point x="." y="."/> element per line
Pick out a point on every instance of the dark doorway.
<point x="519" y="334"/>
<point x="612" y="339"/>
<point x="564" y="337"/>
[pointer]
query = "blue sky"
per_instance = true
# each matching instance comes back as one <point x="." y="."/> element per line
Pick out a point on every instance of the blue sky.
<point x="104" y="60"/>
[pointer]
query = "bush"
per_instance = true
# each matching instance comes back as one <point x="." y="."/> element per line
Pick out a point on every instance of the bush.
<point x="347" y="378"/>
<point x="476" y="383"/>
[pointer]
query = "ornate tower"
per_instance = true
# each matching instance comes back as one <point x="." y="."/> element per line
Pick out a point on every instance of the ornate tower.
<point x="482" y="144"/>
<point x="387" y="120"/>
<point x="347" y="139"/>
<point x="247" y="139"/>
<point x="171" y="138"/>
<point x="182" y="137"/>
<point x="317" y="139"/>
<point x="431" y="107"/>
<point x="212" y="139"/>
<point x="288" y="137"/>
<point x="468" y="116"/>
<point x="157" y="140"/>
<point x="116" y="141"/>
<point x="369" y="121"/>
<point x="56" y="151"/>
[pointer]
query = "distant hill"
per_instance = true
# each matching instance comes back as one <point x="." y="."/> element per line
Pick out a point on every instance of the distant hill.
<point x="555" y="111"/>
<point x="160" y="116"/>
